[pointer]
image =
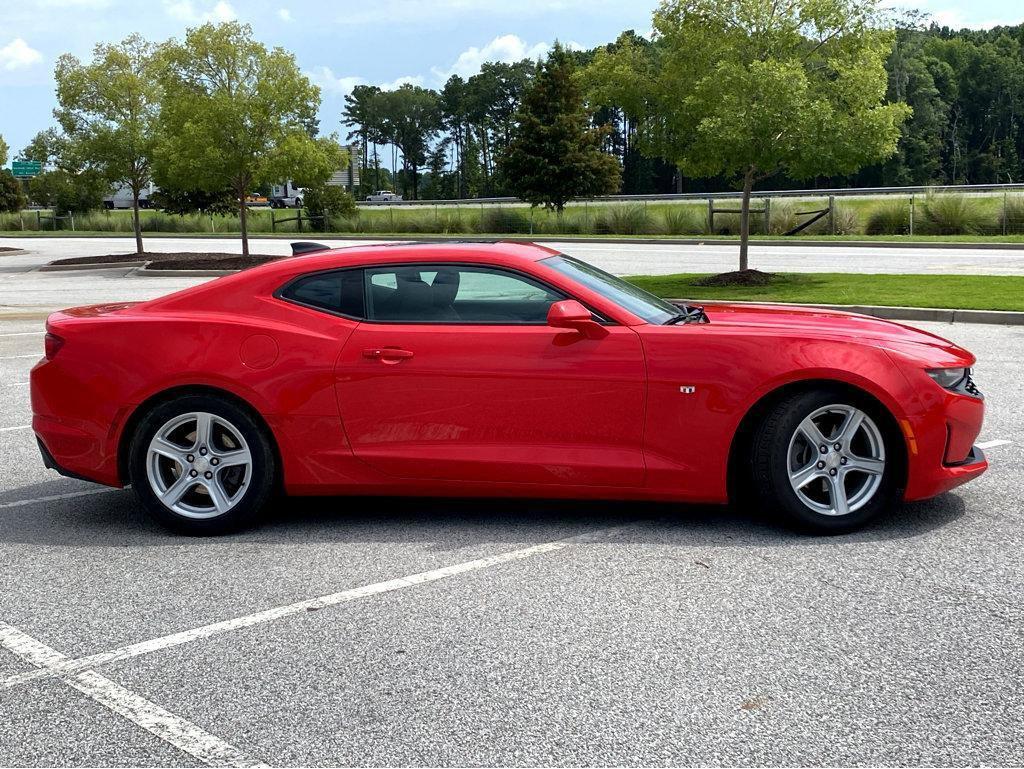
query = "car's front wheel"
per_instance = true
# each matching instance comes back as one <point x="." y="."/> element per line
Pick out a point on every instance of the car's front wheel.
<point x="200" y="464"/>
<point x="826" y="460"/>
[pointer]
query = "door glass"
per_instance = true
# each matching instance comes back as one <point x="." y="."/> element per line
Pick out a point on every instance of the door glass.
<point x="456" y="294"/>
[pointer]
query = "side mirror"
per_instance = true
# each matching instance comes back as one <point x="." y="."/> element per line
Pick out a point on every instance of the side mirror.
<point x="571" y="314"/>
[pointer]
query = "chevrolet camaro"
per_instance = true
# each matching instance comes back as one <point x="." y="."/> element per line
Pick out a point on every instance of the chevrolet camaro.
<point x="463" y="369"/>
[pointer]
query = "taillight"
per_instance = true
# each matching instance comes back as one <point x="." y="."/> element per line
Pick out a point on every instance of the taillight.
<point x="52" y="344"/>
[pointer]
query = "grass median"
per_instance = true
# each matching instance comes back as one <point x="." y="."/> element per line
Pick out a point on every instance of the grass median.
<point x="966" y="292"/>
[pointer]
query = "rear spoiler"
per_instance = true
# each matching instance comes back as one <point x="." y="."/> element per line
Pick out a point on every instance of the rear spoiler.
<point x="306" y="247"/>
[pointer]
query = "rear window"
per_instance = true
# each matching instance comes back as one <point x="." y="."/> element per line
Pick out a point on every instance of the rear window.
<point x="339" y="292"/>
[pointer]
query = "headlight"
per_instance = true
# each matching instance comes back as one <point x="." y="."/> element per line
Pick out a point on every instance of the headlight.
<point x="956" y="380"/>
<point x="948" y="377"/>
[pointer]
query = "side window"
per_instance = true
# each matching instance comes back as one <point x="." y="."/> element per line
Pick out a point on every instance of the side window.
<point x="340" y="292"/>
<point x="441" y="293"/>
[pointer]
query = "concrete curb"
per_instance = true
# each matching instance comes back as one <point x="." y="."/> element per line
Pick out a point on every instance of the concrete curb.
<point x="934" y="314"/>
<point x="91" y="266"/>
<point x="145" y="272"/>
<point x="521" y="238"/>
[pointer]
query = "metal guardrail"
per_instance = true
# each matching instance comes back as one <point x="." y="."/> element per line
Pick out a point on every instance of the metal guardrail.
<point x="808" y="193"/>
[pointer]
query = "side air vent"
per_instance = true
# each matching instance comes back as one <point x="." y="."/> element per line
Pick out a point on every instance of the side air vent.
<point x="306" y="247"/>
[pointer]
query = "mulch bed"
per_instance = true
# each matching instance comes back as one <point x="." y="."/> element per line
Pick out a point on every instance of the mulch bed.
<point x="737" y="278"/>
<point x="8" y="248"/>
<point x="179" y="261"/>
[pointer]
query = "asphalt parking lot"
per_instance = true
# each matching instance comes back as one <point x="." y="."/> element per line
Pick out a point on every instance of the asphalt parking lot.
<point x="433" y="632"/>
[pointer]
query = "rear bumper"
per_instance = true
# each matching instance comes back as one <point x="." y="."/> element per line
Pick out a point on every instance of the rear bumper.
<point x="74" y="452"/>
<point x="52" y="464"/>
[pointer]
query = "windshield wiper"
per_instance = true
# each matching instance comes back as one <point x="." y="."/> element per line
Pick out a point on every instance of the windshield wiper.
<point x="689" y="314"/>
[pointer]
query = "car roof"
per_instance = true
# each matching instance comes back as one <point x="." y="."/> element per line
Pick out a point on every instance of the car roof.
<point x="507" y="253"/>
<point x="504" y="251"/>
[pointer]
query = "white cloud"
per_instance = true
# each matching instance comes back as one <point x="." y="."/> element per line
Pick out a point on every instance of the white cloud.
<point x="341" y="86"/>
<point x="186" y="11"/>
<point x="950" y="17"/>
<point x="331" y="83"/>
<point x="284" y="15"/>
<point x="18" y="54"/>
<point x="400" y="81"/>
<point x="504" y="48"/>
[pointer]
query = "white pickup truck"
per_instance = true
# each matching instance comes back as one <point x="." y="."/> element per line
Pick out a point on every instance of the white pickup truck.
<point x="383" y="196"/>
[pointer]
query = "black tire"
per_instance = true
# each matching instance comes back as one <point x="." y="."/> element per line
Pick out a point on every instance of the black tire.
<point x="253" y="495"/>
<point x="770" y="462"/>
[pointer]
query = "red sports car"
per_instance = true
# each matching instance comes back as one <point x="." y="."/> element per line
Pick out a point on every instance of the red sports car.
<point x="495" y="370"/>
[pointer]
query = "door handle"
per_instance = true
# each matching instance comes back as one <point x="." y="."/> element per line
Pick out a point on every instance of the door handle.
<point x="387" y="354"/>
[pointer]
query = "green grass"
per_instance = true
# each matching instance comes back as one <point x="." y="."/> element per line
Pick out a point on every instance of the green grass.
<point x="966" y="292"/>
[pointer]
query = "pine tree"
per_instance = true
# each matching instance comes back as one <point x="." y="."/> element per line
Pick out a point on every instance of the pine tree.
<point x="555" y="155"/>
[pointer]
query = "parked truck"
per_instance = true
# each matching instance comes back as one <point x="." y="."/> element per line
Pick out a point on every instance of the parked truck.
<point x="286" y="195"/>
<point x="121" y="197"/>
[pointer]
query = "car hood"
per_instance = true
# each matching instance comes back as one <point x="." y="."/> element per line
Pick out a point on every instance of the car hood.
<point x="813" y="322"/>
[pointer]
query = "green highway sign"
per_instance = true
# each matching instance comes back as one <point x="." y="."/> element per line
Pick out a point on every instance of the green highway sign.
<point x="26" y="167"/>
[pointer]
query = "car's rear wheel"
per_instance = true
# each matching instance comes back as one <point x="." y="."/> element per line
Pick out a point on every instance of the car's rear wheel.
<point x="201" y="465"/>
<point x="826" y="460"/>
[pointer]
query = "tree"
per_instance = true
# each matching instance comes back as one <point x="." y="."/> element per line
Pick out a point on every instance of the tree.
<point x="68" y="192"/>
<point x="410" y="117"/>
<point x="192" y="201"/>
<point x="362" y="114"/>
<point x="237" y="115"/>
<point x="554" y="154"/>
<point x="4" y="149"/>
<point x="108" y="109"/>
<point x="11" y="197"/>
<point x="50" y="148"/>
<point x="749" y="88"/>
<point x="327" y="200"/>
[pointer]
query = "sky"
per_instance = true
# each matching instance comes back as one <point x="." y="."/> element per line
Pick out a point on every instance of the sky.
<point x="340" y="44"/>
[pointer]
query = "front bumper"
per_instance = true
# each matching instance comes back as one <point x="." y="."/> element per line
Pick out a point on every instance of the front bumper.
<point x="950" y="476"/>
<point x="942" y="451"/>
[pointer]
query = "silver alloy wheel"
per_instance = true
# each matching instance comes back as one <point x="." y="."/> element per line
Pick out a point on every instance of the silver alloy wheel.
<point x="199" y="465"/>
<point x="836" y="459"/>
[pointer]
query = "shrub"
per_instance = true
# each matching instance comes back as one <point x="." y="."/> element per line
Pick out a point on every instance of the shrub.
<point x="624" y="220"/>
<point x="783" y="217"/>
<point x="951" y="215"/>
<point x="683" y="219"/>
<point x="1012" y="215"/>
<point x="503" y="220"/>
<point x="890" y="217"/>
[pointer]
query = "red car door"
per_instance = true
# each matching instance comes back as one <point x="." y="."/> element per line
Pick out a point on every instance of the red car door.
<point x="455" y="375"/>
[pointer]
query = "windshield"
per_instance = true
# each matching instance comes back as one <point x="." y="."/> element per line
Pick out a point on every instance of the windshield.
<point x="626" y="295"/>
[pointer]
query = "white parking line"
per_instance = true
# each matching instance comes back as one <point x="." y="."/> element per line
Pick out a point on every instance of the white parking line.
<point x="280" y="612"/>
<point x="55" y="497"/>
<point x="993" y="444"/>
<point x="16" y="427"/>
<point x="24" y="333"/>
<point x="17" y="357"/>
<point x="175" y="730"/>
